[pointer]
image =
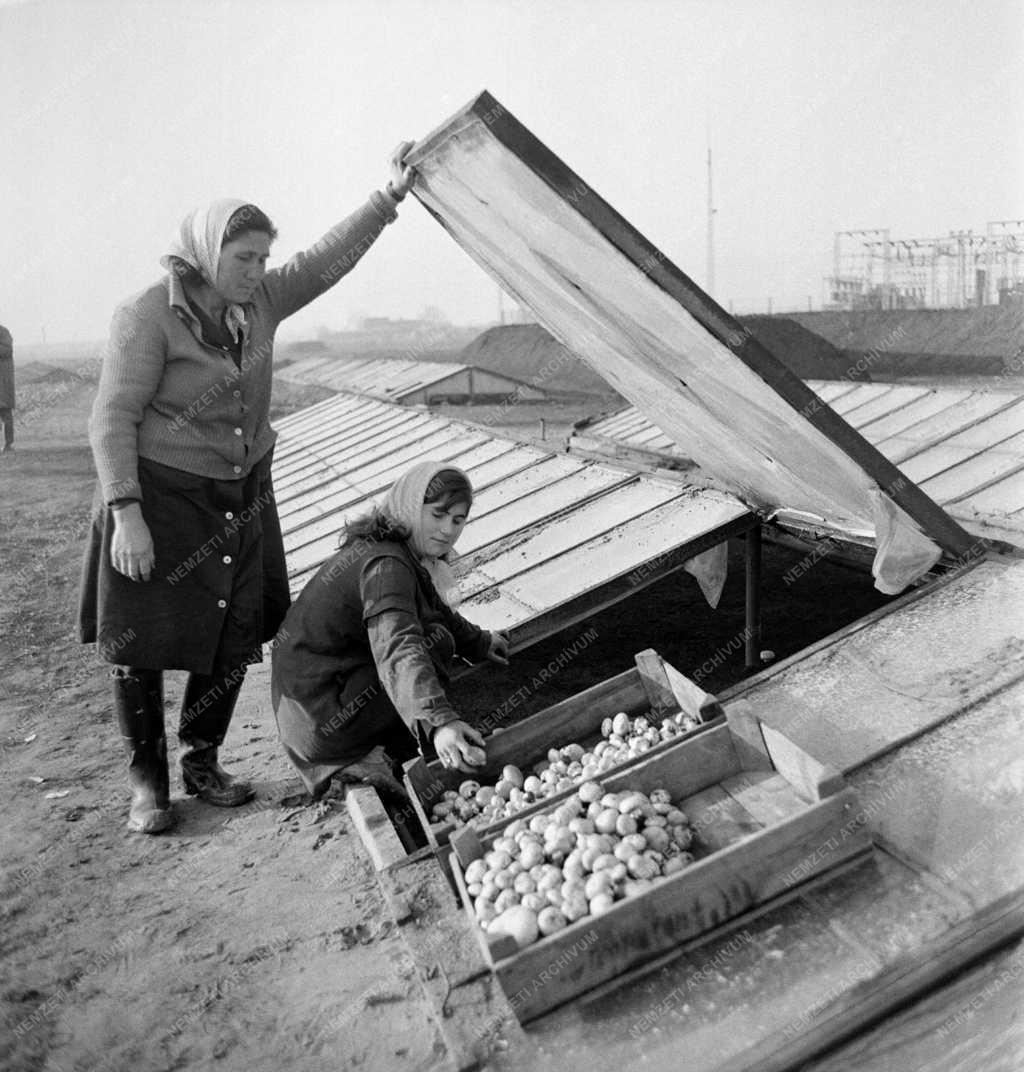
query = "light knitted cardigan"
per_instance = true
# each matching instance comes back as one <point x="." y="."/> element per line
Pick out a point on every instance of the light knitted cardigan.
<point x="166" y="395"/>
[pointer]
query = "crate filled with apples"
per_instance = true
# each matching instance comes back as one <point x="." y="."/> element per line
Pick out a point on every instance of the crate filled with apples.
<point x="664" y="851"/>
<point x="546" y="757"/>
<point x="622" y="739"/>
<point x="594" y="849"/>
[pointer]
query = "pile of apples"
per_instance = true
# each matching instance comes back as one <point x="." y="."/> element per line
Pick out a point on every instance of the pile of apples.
<point x="594" y="849"/>
<point x="622" y="738"/>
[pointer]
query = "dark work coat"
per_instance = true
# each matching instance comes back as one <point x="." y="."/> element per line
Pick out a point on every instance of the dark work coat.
<point x="363" y="658"/>
<point x="6" y="369"/>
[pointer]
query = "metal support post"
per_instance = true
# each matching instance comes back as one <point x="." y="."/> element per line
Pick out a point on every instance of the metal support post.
<point x="752" y="558"/>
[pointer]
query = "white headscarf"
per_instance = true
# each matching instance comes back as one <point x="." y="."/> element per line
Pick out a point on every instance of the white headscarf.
<point x="404" y="504"/>
<point x="198" y="243"/>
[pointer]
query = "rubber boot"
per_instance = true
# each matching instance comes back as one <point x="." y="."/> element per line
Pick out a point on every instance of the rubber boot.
<point x="206" y="712"/>
<point x="139" y="706"/>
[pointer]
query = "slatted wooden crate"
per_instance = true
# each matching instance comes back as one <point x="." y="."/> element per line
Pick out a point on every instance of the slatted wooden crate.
<point x="652" y="685"/>
<point x="768" y="819"/>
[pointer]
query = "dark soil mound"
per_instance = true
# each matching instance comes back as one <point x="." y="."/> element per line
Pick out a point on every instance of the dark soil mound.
<point x="803" y="352"/>
<point x="528" y="353"/>
<point x="983" y="341"/>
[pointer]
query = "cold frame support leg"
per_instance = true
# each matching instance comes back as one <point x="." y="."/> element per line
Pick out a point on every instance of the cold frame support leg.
<point x="752" y="561"/>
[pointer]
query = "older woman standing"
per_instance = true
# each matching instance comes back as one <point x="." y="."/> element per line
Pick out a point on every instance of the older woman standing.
<point x="185" y="566"/>
<point x="365" y="651"/>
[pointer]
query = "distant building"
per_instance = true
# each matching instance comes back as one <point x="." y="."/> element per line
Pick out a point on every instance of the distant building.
<point x="411" y="383"/>
<point x="872" y="270"/>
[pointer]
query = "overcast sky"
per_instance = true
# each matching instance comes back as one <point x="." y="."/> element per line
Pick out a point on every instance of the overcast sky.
<point x="118" y="117"/>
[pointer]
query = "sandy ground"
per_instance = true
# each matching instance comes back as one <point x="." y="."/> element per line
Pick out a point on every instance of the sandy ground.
<point x="249" y="939"/>
<point x="253" y="939"/>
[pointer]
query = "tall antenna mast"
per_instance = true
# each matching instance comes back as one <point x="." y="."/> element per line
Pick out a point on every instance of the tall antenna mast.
<point x="711" y="225"/>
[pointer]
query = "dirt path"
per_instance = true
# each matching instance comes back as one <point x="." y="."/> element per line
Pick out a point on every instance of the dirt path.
<point x="253" y="939"/>
<point x="256" y="939"/>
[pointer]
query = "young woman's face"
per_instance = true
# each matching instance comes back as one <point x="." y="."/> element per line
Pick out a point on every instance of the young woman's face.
<point x="242" y="265"/>
<point x="440" y="526"/>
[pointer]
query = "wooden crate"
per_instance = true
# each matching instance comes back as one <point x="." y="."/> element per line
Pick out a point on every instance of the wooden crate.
<point x="768" y="819"/>
<point x="652" y="685"/>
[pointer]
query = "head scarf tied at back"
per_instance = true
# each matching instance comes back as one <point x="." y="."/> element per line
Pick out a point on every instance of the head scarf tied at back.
<point x="198" y="243"/>
<point x="404" y="504"/>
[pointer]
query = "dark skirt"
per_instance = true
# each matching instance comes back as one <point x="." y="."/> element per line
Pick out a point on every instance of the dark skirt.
<point x="219" y="589"/>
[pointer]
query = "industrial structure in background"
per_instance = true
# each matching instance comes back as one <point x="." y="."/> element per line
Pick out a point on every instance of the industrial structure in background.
<point x="962" y="270"/>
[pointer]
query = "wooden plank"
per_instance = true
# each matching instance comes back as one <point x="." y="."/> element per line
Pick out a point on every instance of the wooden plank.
<point x="589" y="523"/>
<point x="882" y="405"/>
<point x="297" y="474"/>
<point x="544" y="471"/>
<point x="424" y="790"/>
<point x="928" y="965"/>
<point x="577" y="718"/>
<point x="811" y="779"/>
<point x="948" y="424"/>
<point x="530" y="628"/>
<point x="544" y="505"/>
<point x="469" y="1011"/>
<point x="680" y="907"/>
<point x="466" y="846"/>
<point x="903" y="420"/>
<point x="668" y="690"/>
<point x="374" y="826"/>
<point x="636" y="460"/>
<point x="1003" y="498"/>
<point x="747" y="736"/>
<point x="686" y="768"/>
<point x="651" y="670"/>
<point x="981" y="470"/>
<point x="768" y="797"/>
<point x="862" y="394"/>
<point x="718" y="819"/>
<point x="485" y="113"/>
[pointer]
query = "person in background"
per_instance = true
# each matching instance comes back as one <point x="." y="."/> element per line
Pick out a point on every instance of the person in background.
<point x="7" y="389"/>
<point x="362" y="660"/>
<point x="184" y="568"/>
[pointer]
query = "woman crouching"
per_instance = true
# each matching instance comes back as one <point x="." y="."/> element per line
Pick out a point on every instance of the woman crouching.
<point x="365" y="652"/>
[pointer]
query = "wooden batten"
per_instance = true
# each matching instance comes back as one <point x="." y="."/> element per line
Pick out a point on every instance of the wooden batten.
<point x="813" y="780"/>
<point x="374" y="827"/>
<point x="571" y="719"/>
<point x="466" y="845"/>
<point x="747" y="736"/>
<point x="668" y="690"/>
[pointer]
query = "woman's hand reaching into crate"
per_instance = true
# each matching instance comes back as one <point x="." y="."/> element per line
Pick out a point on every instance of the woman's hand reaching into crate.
<point x="459" y="746"/>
